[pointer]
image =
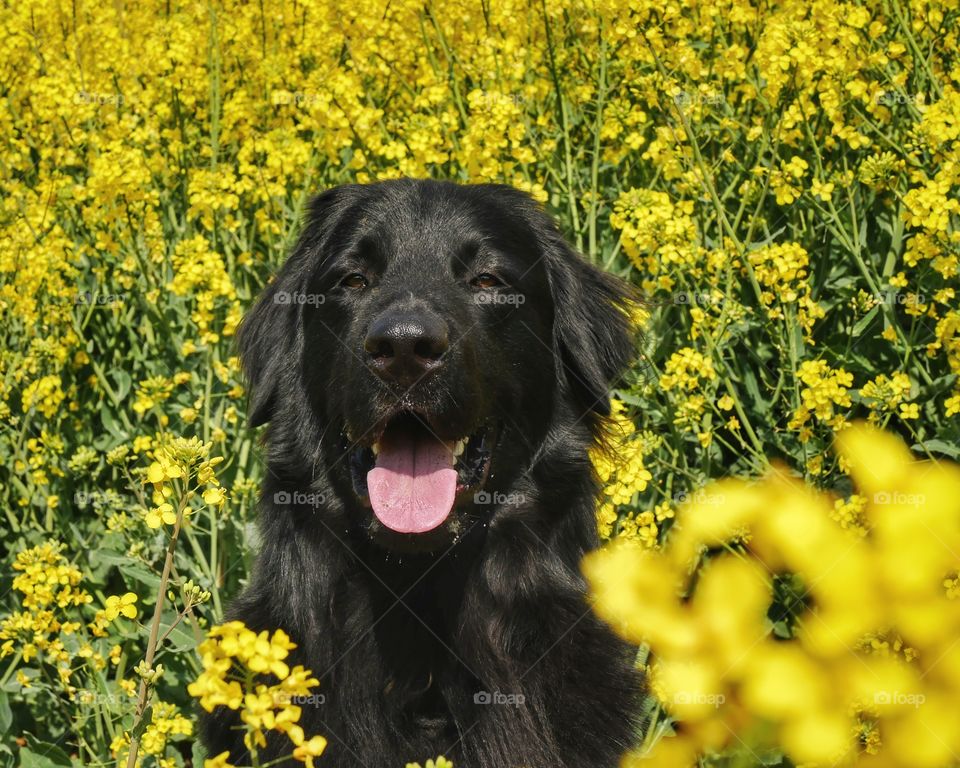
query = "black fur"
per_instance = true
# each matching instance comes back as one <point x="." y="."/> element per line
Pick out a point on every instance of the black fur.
<point x="407" y="631"/>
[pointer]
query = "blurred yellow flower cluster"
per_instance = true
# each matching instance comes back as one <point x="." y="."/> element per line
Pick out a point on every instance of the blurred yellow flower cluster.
<point x="234" y="658"/>
<point x="868" y="670"/>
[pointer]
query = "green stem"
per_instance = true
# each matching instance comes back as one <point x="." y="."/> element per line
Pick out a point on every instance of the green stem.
<point x="152" y="642"/>
<point x="595" y="164"/>
<point x="565" y="127"/>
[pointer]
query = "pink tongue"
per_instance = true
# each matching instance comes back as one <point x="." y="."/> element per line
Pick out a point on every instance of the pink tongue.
<point x="413" y="485"/>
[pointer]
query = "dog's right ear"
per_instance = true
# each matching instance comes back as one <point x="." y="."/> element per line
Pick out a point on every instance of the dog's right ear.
<point x="271" y="333"/>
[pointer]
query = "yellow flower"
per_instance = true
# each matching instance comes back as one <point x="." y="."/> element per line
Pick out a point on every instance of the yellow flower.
<point x="440" y="762"/>
<point x="123" y="605"/>
<point x="685" y="369"/>
<point x="749" y="260"/>
<point x="44" y="393"/>
<point x="910" y="411"/>
<point x="162" y="470"/>
<point x="233" y="653"/>
<point x="215" y="497"/>
<point x="220" y="761"/>
<point x="702" y="607"/>
<point x="309" y="749"/>
<point x="163" y="514"/>
<point x="822" y="190"/>
<point x="849" y="513"/>
<point x="151" y="392"/>
<point x="885" y="393"/>
<point x="953" y="404"/>
<point x="782" y="272"/>
<point x="166" y="724"/>
<point x="619" y="467"/>
<point x="824" y="389"/>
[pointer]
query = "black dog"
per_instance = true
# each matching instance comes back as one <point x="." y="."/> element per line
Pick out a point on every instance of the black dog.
<point x="434" y="361"/>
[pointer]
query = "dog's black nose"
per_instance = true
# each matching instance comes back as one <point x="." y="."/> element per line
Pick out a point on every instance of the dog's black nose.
<point x="405" y="346"/>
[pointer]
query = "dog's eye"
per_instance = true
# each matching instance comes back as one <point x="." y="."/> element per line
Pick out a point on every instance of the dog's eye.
<point x="354" y="280"/>
<point x="486" y="280"/>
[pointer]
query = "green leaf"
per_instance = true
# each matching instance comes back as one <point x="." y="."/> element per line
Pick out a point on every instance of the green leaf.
<point x="864" y="322"/>
<point x="6" y="715"/>
<point x="181" y="639"/>
<point x="122" y="387"/>
<point x="129" y="568"/>
<point x="199" y="754"/>
<point x="782" y="630"/>
<point x="40" y="754"/>
<point x="110" y="422"/>
<point x="141" y="726"/>
<point x="938" y="446"/>
<point x="750" y="382"/>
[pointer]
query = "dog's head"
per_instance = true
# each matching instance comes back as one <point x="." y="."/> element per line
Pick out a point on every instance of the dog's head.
<point x="426" y="336"/>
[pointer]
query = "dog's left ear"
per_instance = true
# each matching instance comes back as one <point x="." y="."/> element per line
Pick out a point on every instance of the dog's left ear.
<point x="593" y="334"/>
<point x="270" y="335"/>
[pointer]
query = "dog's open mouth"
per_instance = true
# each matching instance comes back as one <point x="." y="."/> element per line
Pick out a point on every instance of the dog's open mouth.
<point x="412" y="478"/>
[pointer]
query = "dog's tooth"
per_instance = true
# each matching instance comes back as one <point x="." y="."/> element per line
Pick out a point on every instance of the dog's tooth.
<point x="459" y="447"/>
<point x="376" y="449"/>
